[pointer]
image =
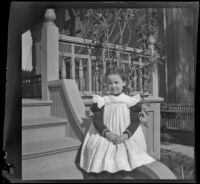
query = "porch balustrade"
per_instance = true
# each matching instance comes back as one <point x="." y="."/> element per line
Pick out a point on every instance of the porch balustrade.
<point x="87" y="63"/>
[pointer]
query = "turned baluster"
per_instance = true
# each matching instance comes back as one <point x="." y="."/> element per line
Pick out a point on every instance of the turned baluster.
<point x="81" y="74"/>
<point x="63" y="69"/>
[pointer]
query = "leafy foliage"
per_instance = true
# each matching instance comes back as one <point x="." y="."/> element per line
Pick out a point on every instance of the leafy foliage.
<point x="119" y="26"/>
<point x="176" y="160"/>
<point x="126" y="27"/>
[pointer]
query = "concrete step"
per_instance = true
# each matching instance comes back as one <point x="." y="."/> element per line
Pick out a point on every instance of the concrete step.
<point x="50" y="159"/>
<point x="43" y="128"/>
<point x="35" y="108"/>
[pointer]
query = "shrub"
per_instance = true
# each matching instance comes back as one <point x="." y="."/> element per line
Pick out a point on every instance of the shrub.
<point x="174" y="160"/>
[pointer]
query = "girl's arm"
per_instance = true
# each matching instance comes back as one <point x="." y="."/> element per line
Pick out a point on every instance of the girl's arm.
<point x="134" y="118"/>
<point x="98" y="119"/>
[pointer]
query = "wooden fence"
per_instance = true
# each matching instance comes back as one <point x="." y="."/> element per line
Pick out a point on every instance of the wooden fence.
<point x="177" y="116"/>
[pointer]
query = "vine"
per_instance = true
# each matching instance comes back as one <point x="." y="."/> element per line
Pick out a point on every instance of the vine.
<point x="124" y="27"/>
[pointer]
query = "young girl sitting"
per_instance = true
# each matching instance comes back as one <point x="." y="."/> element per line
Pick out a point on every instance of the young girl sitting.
<point x="115" y="141"/>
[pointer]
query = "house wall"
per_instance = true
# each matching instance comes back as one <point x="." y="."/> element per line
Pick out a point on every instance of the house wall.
<point x="180" y="55"/>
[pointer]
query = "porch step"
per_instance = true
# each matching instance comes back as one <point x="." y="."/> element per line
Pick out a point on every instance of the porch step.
<point x="36" y="108"/>
<point x="43" y="128"/>
<point x="37" y="148"/>
<point x="50" y="159"/>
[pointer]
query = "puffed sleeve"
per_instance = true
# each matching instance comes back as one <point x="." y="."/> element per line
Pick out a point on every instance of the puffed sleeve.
<point x="133" y="100"/>
<point x="134" y="119"/>
<point x="98" y="100"/>
<point x="97" y="108"/>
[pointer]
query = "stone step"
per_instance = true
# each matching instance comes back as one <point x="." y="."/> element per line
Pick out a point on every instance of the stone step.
<point x="35" y="108"/>
<point x="43" y="128"/>
<point x="50" y="159"/>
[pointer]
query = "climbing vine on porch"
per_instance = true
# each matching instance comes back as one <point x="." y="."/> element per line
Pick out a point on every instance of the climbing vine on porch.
<point x="126" y="27"/>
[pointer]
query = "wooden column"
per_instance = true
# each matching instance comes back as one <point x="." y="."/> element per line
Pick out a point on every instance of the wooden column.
<point x="50" y="52"/>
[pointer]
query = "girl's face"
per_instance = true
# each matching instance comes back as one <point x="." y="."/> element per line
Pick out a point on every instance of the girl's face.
<point x="115" y="84"/>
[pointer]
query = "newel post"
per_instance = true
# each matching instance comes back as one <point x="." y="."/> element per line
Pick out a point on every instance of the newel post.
<point x="50" y="51"/>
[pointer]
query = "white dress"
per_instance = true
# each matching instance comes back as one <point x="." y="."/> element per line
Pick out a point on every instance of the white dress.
<point x="98" y="154"/>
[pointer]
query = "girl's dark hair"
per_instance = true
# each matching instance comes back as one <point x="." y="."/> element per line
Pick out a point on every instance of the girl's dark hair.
<point x="118" y="71"/>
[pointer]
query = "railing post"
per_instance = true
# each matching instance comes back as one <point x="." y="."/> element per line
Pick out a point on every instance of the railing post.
<point x="50" y="52"/>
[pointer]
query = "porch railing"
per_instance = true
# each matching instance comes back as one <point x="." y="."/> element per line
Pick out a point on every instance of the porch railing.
<point x="80" y="60"/>
<point x="31" y="86"/>
<point x="177" y="116"/>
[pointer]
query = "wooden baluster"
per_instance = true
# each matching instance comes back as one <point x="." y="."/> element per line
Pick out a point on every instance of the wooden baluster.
<point x="72" y="67"/>
<point x="118" y="58"/>
<point x="81" y="74"/>
<point x="129" y="59"/>
<point x="97" y="78"/>
<point x="94" y="76"/>
<point x="34" y="67"/>
<point x="141" y="86"/>
<point x="129" y="84"/>
<point x="63" y="69"/>
<point x="103" y="70"/>
<point x="33" y="35"/>
<point x="135" y="79"/>
<point x="89" y="71"/>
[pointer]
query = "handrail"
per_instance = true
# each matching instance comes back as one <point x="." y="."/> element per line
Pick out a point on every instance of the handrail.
<point x="157" y="170"/>
<point x="82" y="41"/>
<point x="74" y="101"/>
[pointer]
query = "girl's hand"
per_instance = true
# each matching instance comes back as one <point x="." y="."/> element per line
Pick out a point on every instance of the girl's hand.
<point x="120" y="139"/>
<point x="111" y="136"/>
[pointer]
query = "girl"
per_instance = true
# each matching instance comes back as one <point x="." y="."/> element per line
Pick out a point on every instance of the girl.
<point x="115" y="141"/>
